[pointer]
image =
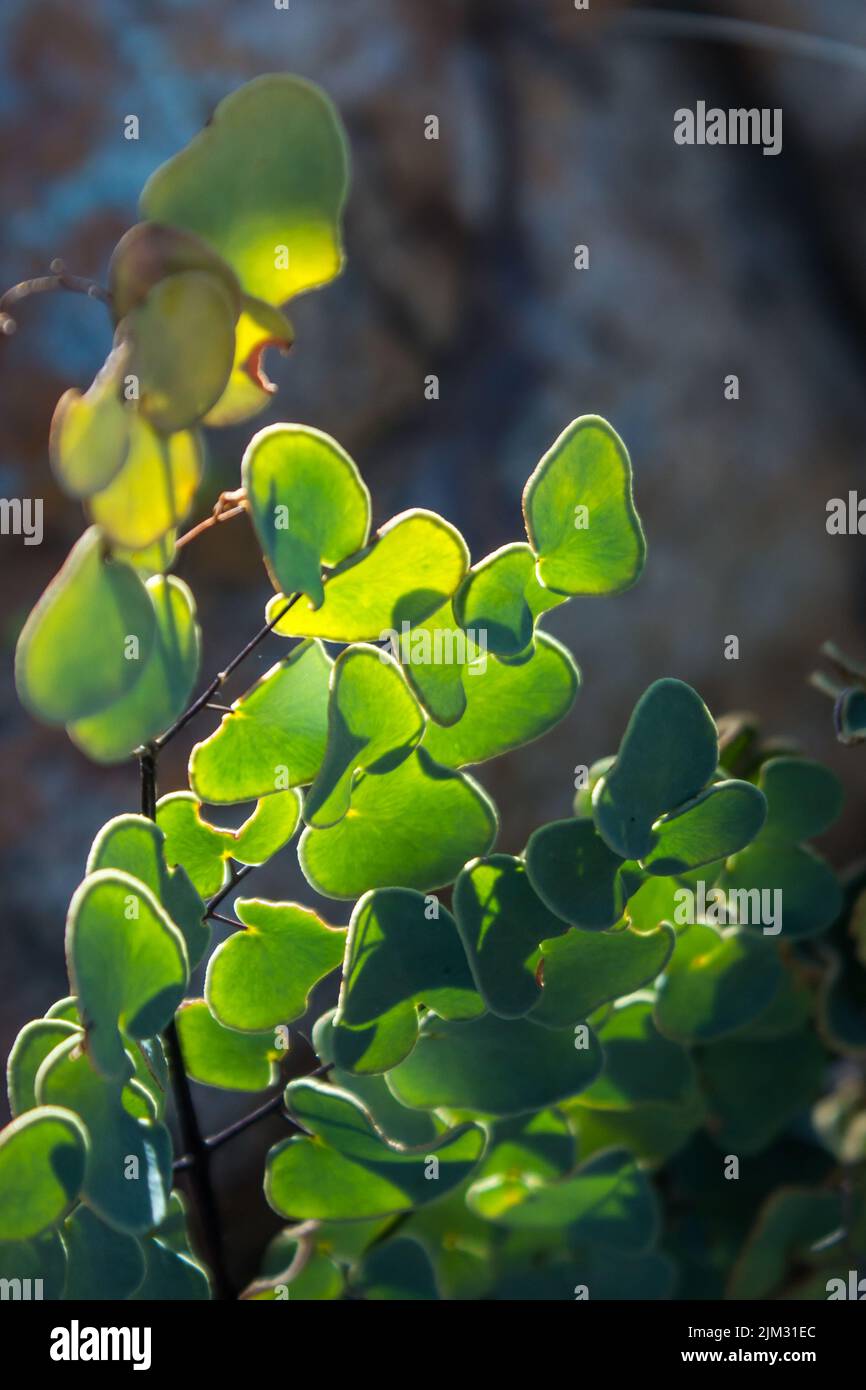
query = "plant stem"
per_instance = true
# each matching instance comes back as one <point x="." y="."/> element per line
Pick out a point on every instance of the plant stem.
<point x="215" y="1141"/>
<point x="59" y="279"/>
<point x="219" y="680"/>
<point x="191" y="1136"/>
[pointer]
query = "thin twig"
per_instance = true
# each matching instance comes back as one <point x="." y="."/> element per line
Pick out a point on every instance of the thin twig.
<point x="227" y="505"/>
<point x="59" y="279"/>
<point x="270" y="1107"/>
<point x="229" y="921"/>
<point x="237" y="876"/>
<point x="219" y="680"/>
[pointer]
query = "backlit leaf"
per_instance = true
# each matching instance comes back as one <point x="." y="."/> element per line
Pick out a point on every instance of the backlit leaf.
<point x="507" y="705"/>
<point x="408" y="571"/>
<point x="218" y="1056"/>
<point x="716" y="823"/>
<point x="583" y="970"/>
<point x="249" y="390"/>
<point x="716" y="983"/>
<point x="153" y="490"/>
<point x="494" y="1066"/>
<point x="264" y="183"/>
<point x="261" y="977"/>
<point x="502" y="598"/>
<point x="42" y="1159"/>
<point x="275" y="736"/>
<point x="668" y="754"/>
<point x="502" y="922"/>
<point x="182" y="348"/>
<point x="601" y="549"/>
<point x="74" y="655"/>
<point x="127" y="964"/>
<point x="163" y="689"/>
<point x="414" y="827"/>
<point x="89" y="437"/>
<point x="309" y="505"/>
<point x="349" y="1170"/>
<point x="397" y="956"/>
<point x="128" y="1174"/>
<point x="374" y="723"/>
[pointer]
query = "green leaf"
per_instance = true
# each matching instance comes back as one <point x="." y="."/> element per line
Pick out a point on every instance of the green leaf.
<point x="204" y="849"/>
<point x="164" y="686"/>
<point x="536" y="1147"/>
<point x="716" y="823"/>
<point x="607" y="1202"/>
<point x="128" y="1174"/>
<point x="810" y="893"/>
<point x="249" y="391"/>
<point x="218" y="1056"/>
<point x="790" y="1225"/>
<point x="275" y="736"/>
<point x="399" y="1270"/>
<point x="502" y="922"/>
<point x="89" y="438"/>
<point x="135" y="845"/>
<point x="171" y="1276"/>
<point x="753" y="1093"/>
<point x="597" y="551"/>
<point x="42" y="1159"/>
<point x="606" y="1274"/>
<point x="374" y="723"/>
<point x="668" y="754"/>
<point x="264" y="183"/>
<point x="154" y="489"/>
<point x="803" y="798"/>
<point x="653" y="1131"/>
<point x="261" y="977"/>
<point x="349" y="1170"/>
<point x="640" y="1065"/>
<point x="105" y="1265"/>
<point x="437" y="683"/>
<point x="43" y="1258"/>
<point x="148" y="253"/>
<point x="182" y="348"/>
<point x="494" y="1066"/>
<point x="461" y="1246"/>
<point x="507" y="705"/>
<point x="412" y="566"/>
<point x="386" y="1112"/>
<point x="309" y="505"/>
<point x="716" y="983"/>
<point x="33" y="1044"/>
<point x="270" y="827"/>
<point x="72" y="656"/>
<point x="575" y="874"/>
<point x="583" y="970"/>
<point x="502" y="598"/>
<point x="414" y="827"/>
<point x="398" y="955"/>
<point x="127" y="964"/>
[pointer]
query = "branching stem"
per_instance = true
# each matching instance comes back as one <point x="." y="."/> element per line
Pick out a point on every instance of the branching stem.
<point x="59" y="279"/>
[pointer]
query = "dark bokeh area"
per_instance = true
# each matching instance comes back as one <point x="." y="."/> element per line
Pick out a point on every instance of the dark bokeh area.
<point x="556" y="129"/>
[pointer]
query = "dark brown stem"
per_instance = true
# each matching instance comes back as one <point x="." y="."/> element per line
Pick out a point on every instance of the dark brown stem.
<point x="270" y="1107"/>
<point x="219" y="680"/>
<point x="59" y="279"/>
<point x="191" y="1137"/>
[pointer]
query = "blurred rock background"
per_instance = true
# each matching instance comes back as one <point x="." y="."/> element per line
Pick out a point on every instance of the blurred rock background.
<point x="556" y="129"/>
